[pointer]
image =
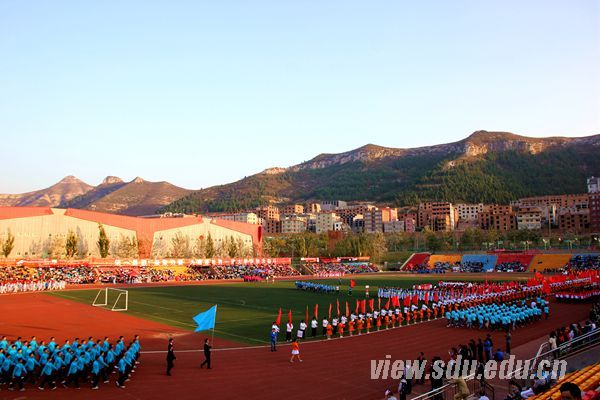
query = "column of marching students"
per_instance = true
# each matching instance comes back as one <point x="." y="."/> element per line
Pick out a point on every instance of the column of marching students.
<point x="405" y="307"/>
<point x="46" y="365"/>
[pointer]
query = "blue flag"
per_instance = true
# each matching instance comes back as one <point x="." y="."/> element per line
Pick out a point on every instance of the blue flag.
<point x="206" y="319"/>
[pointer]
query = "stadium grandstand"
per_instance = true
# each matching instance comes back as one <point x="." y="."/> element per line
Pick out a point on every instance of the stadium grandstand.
<point x="487" y="261"/>
<point x="416" y="261"/>
<point x="547" y="262"/>
<point x="513" y="262"/>
<point x="444" y="260"/>
<point x="580" y="262"/>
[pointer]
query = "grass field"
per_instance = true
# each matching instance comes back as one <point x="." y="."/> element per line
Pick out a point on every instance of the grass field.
<point x="245" y="310"/>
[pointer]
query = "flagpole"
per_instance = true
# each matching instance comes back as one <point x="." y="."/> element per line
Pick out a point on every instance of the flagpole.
<point x="212" y="339"/>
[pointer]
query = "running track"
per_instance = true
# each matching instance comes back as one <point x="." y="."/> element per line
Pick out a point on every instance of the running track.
<point x="336" y="369"/>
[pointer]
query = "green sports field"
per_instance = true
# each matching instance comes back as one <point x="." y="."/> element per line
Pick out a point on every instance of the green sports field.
<point x="245" y="310"/>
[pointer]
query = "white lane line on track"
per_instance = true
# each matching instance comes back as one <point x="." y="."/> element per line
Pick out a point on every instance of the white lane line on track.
<point x="279" y="344"/>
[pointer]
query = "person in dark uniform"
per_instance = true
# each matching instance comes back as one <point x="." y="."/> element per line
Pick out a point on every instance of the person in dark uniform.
<point x="170" y="356"/>
<point x="207" y="348"/>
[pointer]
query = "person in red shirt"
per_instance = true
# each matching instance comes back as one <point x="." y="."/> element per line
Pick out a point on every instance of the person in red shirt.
<point x="329" y="329"/>
<point x="295" y="351"/>
<point x="341" y="330"/>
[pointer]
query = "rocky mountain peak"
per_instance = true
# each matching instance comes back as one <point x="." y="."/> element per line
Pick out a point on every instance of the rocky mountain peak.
<point x="70" y="179"/>
<point x="111" y="180"/>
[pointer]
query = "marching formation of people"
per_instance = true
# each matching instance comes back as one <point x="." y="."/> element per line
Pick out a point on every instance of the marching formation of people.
<point x="579" y="295"/>
<point x="88" y="360"/>
<point x="31" y="286"/>
<point x="317" y="287"/>
<point x="498" y="316"/>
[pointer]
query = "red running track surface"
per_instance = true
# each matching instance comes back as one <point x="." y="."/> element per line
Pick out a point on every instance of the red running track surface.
<point x="335" y="369"/>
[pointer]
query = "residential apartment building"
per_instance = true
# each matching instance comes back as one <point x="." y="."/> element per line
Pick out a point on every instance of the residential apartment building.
<point x="291" y="209"/>
<point x="272" y="226"/>
<point x="409" y="219"/>
<point x="393" y="226"/>
<point x="293" y="225"/>
<point x="559" y="200"/>
<point x="332" y="205"/>
<point x="348" y="214"/>
<point x="312" y="208"/>
<point x="357" y="224"/>
<point x="593" y="184"/>
<point x="529" y="218"/>
<point x="438" y="216"/>
<point x="469" y="212"/>
<point x="574" y="221"/>
<point x="268" y="212"/>
<point x="376" y="217"/>
<point x="326" y="222"/>
<point x="246" y="217"/>
<point x="498" y="217"/>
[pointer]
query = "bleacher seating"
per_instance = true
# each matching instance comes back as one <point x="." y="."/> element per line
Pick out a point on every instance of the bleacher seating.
<point x="488" y="260"/>
<point x="587" y="378"/>
<point x="523" y="258"/>
<point x="543" y="262"/>
<point x="444" y="259"/>
<point x="584" y="261"/>
<point x="416" y="260"/>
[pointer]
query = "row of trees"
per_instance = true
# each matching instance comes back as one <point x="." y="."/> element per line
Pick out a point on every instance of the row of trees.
<point x="377" y="245"/>
<point x="318" y="245"/>
<point x="7" y="245"/>
<point x="202" y="247"/>
<point x="74" y="245"/>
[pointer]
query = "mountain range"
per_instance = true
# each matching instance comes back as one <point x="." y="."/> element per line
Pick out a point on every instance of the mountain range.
<point x="113" y="195"/>
<point x="489" y="167"/>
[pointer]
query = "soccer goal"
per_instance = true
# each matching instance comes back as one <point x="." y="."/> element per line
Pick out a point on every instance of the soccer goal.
<point x="116" y="299"/>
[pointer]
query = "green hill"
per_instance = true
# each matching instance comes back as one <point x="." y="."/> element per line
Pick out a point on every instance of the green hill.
<point x="490" y="167"/>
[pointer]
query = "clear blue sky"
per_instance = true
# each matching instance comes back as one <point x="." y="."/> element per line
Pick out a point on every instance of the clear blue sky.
<point x="201" y="93"/>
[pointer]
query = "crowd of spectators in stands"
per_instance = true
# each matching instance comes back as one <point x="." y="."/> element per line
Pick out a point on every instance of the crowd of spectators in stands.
<point x="424" y="269"/>
<point x="477" y="351"/>
<point x="481" y="350"/>
<point x="511" y="266"/>
<point x="566" y="333"/>
<point x="19" y="278"/>
<point x="341" y="269"/>
<point x="584" y="262"/>
<point x="135" y="275"/>
<point x="261" y="271"/>
<point x="441" y="267"/>
<point x="543" y="382"/>
<point x="91" y="361"/>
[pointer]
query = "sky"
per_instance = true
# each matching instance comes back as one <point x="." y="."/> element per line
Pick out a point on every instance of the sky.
<point x="206" y="92"/>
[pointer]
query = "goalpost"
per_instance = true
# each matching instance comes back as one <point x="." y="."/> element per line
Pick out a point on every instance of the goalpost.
<point x="105" y="297"/>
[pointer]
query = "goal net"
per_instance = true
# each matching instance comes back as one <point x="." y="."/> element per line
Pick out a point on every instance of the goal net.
<point x="112" y="299"/>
